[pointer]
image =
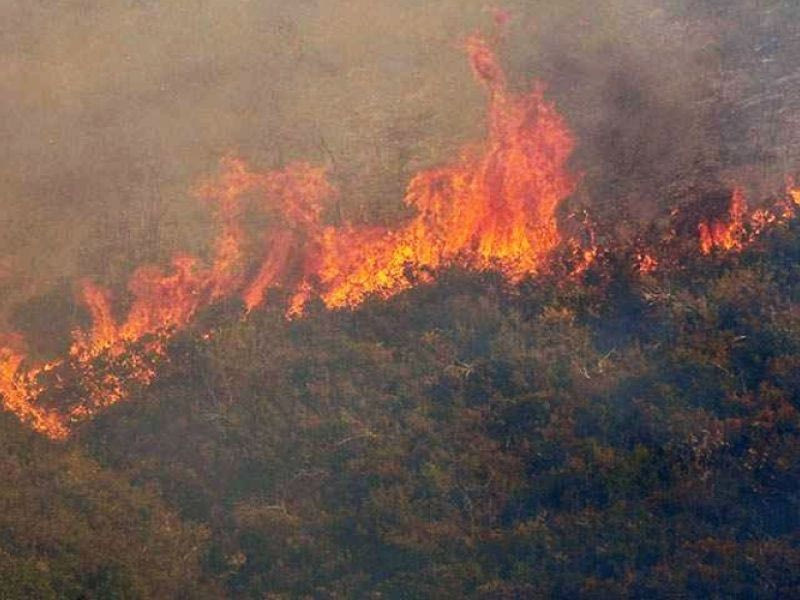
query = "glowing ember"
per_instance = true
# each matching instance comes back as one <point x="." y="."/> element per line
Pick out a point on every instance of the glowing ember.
<point x="646" y="263"/>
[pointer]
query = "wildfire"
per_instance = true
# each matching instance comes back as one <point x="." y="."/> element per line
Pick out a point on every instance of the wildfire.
<point x="490" y="209"/>
<point x="740" y="227"/>
<point x="493" y="207"/>
<point x="646" y="263"/>
<point x="728" y="234"/>
<point x="18" y="387"/>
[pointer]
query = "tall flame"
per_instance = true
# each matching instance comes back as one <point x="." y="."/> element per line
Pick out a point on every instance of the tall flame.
<point x="493" y="207"/>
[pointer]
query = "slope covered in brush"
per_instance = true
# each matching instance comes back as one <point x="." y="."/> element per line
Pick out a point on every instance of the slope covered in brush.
<point x="621" y="434"/>
<point x="71" y="529"/>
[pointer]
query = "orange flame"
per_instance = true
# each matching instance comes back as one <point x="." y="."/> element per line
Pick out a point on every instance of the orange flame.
<point x="493" y="207"/>
<point x="18" y="387"/>
<point x="646" y="263"/>
<point x="727" y="234"/>
<point x="740" y="228"/>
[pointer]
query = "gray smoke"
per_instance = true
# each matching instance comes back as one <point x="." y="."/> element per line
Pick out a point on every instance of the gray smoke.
<point x="110" y="112"/>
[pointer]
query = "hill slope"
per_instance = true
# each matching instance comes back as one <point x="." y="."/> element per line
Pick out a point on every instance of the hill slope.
<point x="617" y="434"/>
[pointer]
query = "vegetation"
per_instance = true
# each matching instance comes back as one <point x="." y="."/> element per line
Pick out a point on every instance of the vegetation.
<point x="70" y="529"/>
<point x="615" y="435"/>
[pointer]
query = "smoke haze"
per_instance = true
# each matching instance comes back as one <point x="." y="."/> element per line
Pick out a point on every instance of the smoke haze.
<point x="111" y="112"/>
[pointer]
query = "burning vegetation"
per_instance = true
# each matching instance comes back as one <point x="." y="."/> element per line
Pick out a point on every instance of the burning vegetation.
<point x="563" y="364"/>
<point x="495" y="207"/>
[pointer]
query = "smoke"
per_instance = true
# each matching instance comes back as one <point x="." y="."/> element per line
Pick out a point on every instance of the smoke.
<point x="111" y="111"/>
<point x="671" y="100"/>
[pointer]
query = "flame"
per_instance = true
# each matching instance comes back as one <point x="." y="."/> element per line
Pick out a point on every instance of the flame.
<point x="741" y="227"/>
<point x="725" y="234"/>
<point x="794" y="195"/>
<point x="162" y="302"/>
<point x="17" y="387"/>
<point x="493" y="207"/>
<point x="646" y="263"/>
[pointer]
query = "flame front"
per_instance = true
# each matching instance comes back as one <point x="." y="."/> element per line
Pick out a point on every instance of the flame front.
<point x="493" y="207"/>
<point x="490" y="209"/>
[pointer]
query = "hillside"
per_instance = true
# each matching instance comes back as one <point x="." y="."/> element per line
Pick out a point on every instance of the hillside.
<point x="72" y="529"/>
<point x="367" y="299"/>
<point x="617" y="435"/>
